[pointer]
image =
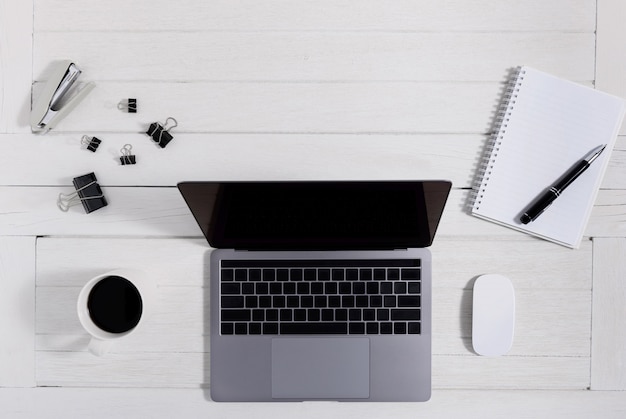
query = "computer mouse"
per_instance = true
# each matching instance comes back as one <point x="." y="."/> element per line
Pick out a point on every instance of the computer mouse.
<point x="493" y="315"/>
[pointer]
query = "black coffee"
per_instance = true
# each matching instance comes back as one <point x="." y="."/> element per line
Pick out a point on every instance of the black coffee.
<point x="114" y="304"/>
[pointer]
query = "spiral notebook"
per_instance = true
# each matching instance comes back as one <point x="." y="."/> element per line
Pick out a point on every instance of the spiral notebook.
<point x="546" y="125"/>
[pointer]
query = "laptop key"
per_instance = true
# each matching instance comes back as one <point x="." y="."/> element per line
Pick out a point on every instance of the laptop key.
<point x="371" y="328"/>
<point x="236" y="315"/>
<point x="310" y="275"/>
<point x="328" y="315"/>
<point x="299" y="315"/>
<point x="390" y="300"/>
<point x="247" y="288"/>
<point x="227" y="275"/>
<point x="231" y="288"/>
<point x="399" y="328"/>
<point x="399" y="288"/>
<point x="386" y="328"/>
<point x="357" y="328"/>
<point x="254" y="328"/>
<point x="269" y="275"/>
<point x="254" y="275"/>
<point x="408" y="301"/>
<point x="414" y="328"/>
<point x="271" y="315"/>
<point x="241" y="275"/>
<point x="270" y="328"/>
<point x="318" y="328"/>
<point x="414" y="287"/>
<point x="352" y="274"/>
<point x="227" y="328"/>
<point x="295" y="274"/>
<point x="282" y="275"/>
<point x="232" y="302"/>
<point x="241" y="328"/>
<point x="410" y="274"/>
<point x="405" y="314"/>
<point x="323" y="275"/>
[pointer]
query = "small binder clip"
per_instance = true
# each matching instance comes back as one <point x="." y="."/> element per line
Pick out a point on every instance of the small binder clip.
<point x="160" y="134"/>
<point x="92" y="143"/>
<point x="128" y="105"/>
<point x="53" y="105"/>
<point x="88" y="192"/>
<point x="127" y="157"/>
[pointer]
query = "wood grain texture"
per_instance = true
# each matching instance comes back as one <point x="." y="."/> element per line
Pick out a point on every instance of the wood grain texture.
<point x="610" y="49"/>
<point x="608" y="346"/>
<point x="324" y="15"/>
<point x="255" y="156"/>
<point x="315" y="56"/>
<point x="191" y="403"/>
<point x="17" y="311"/>
<point x="16" y="57"/>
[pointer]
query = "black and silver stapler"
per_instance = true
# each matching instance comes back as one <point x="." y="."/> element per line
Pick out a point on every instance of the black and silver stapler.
<point x="54" y="103"/>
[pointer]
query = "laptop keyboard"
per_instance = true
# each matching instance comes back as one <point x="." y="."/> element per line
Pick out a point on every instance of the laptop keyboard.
<point x="312" y="297"/>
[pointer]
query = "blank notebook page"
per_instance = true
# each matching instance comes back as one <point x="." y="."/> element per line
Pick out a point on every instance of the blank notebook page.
<point x="547" y="126"/>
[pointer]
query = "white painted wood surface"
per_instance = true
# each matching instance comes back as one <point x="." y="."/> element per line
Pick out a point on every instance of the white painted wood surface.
<point x="16" y="38"/>
<point x="17" y="311"/>
<point x="609" y="314"/>
<point x="298" y="89"/>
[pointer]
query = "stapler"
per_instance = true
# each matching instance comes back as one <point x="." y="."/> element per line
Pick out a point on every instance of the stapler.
<point x="54" y="104"/>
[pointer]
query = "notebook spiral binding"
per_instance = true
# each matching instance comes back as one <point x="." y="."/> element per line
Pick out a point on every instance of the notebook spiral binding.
<point x="492" y="148"/>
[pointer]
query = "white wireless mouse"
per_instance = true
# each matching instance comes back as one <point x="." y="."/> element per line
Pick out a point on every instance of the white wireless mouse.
<point x="493" y="315"/>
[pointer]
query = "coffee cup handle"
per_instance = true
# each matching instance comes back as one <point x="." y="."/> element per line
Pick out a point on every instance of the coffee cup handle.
<point x="99" y="347"/>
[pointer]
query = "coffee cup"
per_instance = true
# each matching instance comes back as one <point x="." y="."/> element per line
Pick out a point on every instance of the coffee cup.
<point x="114" y="305"/>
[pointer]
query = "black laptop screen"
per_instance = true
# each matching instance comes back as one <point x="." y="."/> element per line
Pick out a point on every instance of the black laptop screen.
<point x="317" y="215"/>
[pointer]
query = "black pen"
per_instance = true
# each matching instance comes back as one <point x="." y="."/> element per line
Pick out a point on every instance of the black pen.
<point x="544" y="200"/>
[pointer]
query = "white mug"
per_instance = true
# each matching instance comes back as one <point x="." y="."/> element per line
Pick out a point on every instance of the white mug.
<point x="113" y="305"/>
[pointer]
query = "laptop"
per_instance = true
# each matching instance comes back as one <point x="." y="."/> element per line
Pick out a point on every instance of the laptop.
<point x="320" y="290"/>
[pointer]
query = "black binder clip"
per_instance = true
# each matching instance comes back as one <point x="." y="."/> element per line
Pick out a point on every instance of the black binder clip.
<point x="127" y="157"/>
<point x="160" y="134"/>
<point x="91" y="143"/>
<point x="128" y="105"/>
<point x="88" y="192"/>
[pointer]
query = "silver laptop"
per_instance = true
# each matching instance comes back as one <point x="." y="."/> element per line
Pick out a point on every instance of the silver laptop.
<point x="319" y="290"/>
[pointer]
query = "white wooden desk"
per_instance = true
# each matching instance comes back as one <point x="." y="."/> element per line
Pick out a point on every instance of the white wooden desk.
<point x="298" y="89"/>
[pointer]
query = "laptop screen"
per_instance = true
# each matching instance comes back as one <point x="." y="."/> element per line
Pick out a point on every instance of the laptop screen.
<point x="317" y="215"/>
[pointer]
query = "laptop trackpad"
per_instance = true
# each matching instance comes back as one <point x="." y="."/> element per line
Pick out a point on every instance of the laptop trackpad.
<point x="320" y="368"/>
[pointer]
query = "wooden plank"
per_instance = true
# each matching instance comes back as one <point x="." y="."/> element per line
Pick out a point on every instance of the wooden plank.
<point x="17" y="311"/>
<point x="290" y="107"/>
<point x="317" y="56"/>
<point x="16" y="46"/>
<point x="161" y="212"/>
<point x="145" y="369"/>
<point x="608" y="343"/>
<point x="611" y="50"/>
<point x="174" y="262"/>
<point x="128" y="402"/>
<point x="320" y="15"/>
<point x="240" y="157"/>
<point x="256" y="156"/>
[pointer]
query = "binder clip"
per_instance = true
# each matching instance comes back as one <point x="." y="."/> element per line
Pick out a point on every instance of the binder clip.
<point x="127" y="157"/>
<point x="54" y="104"/>
<point x="160" y="134"/>
<point x="91" y="143"/>
<point x="88" y="192"/>
<point x="128" y="105"/>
